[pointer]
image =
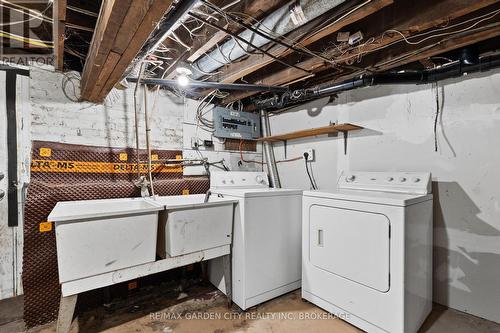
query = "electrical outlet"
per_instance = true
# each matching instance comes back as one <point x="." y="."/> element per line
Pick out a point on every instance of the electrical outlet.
<point x="310" y="153"/>
<point x="194" y="143"/>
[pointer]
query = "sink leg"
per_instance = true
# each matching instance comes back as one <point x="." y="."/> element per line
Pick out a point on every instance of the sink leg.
<point x="66" y="310"/>
<point x="226" y="261"/>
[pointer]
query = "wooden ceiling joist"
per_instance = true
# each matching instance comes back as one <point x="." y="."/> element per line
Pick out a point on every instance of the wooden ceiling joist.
<point x="122" y="29"/>
<point x="58" y="30"/>
<point x="434" y="49"/>
<point x="407" y="55"/>
<point x="257" y="10"/>
<point x="255" y="62"/>
<point x="432" y="14"/>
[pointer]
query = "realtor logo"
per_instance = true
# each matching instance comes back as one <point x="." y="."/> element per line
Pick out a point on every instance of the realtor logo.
<point x="26" y="32"/>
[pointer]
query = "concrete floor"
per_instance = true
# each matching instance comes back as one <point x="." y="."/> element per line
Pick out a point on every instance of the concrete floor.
<point x="204" y="310"/>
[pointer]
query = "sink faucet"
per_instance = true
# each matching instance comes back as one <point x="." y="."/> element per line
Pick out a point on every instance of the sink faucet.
<point x="143" y="183"/>
<point x="207" y="196"/>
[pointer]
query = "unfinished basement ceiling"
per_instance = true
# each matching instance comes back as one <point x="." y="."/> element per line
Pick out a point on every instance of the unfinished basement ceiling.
<point x="291" y="44"/>
<point x="77" y="28"/>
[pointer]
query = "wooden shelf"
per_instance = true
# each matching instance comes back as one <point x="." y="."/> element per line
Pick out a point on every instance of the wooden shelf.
<point x="312" y="132"/>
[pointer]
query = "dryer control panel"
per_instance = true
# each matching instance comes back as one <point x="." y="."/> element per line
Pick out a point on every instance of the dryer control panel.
<point x="238" y="179"/>
<point x="400" y="182"/>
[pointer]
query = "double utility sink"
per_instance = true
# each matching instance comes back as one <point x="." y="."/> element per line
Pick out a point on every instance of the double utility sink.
<point x="99" y="236"/>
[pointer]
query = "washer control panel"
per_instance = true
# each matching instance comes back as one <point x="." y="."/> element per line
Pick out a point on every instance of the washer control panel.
<point x="401" y="182"/>
<point x="238" y="179"/>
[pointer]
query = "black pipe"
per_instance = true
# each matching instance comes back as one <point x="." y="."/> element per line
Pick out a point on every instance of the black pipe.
<point x="211" y="85"/>
<point x="173" y="16"/>
<point x="10" y="95"/>
<point x="455" y="69"/>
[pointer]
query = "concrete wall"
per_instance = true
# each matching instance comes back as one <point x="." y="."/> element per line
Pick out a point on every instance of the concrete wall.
<point x="399" y="122"/>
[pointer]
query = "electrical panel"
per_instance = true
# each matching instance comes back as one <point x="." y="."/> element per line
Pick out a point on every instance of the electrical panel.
<point x="235" y="124"/>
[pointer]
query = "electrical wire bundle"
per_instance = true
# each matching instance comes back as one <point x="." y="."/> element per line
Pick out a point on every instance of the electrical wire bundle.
<point x="311" y="179"/>
<point x="204" y="107"/>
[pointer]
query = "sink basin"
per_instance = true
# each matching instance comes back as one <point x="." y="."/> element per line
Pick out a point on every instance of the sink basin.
<point x="188" y="224"/>
<point x="99" y="236"/>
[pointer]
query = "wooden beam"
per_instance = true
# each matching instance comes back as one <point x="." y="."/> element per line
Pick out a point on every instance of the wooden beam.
<point x="156" y="11"/>
<point x="257" y="9"/>
<point x="208" y="45"/>
<point x="255" y="62"/>
<point x="58" y="29"/>
<point x="111" y="16"/>
<point x="432" y="14"/>
<point x="122" y="29"/>
<point x="394" y="58"/>
<point x="433" y="49"/>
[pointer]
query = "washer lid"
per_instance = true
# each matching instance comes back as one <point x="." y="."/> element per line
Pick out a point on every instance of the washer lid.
<point x="256" y="192"/>
<point x="376" y="197"/>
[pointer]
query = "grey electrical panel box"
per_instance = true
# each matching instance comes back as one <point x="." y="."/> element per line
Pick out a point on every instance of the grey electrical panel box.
<point x="236" y="125"/>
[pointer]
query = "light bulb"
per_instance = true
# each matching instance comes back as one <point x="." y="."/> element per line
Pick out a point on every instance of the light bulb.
<point x="183" y="80"/>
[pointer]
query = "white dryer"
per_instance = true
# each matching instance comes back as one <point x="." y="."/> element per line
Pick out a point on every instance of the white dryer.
<point x="266" y="251"/>
<point x="367" y="250"/>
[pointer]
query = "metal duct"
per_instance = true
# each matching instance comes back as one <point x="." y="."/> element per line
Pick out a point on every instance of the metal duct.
<point x="279" y="22"/>
<point x="272" y="169"/>
<point x="172" y="20"/>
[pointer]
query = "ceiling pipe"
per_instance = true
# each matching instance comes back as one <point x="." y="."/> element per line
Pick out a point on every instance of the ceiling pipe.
<point x="279" y="22"/>
<point x="210" y="85"/>
<point x="454" y="69"/>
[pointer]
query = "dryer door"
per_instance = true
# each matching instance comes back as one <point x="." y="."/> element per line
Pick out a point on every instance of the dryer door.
<point x="352" y="244"/>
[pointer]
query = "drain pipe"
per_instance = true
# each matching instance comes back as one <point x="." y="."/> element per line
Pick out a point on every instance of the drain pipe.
<point x="268" y="151"/>
<point x="148" y="140"/>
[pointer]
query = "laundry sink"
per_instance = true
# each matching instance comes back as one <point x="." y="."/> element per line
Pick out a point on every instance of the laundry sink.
<point x="99" y="236"/>
<point x="188" y="224"/>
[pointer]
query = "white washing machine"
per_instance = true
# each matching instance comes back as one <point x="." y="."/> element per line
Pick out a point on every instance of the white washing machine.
<point x="367" y="250"/>
<point x="266" y="252"/>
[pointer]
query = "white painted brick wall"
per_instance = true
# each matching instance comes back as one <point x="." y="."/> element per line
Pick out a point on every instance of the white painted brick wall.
<point x="54" y="117"/>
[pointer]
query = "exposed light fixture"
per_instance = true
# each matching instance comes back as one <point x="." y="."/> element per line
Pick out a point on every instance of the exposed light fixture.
<point x="183" y="80"/>
<point x="183" y="71"/>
